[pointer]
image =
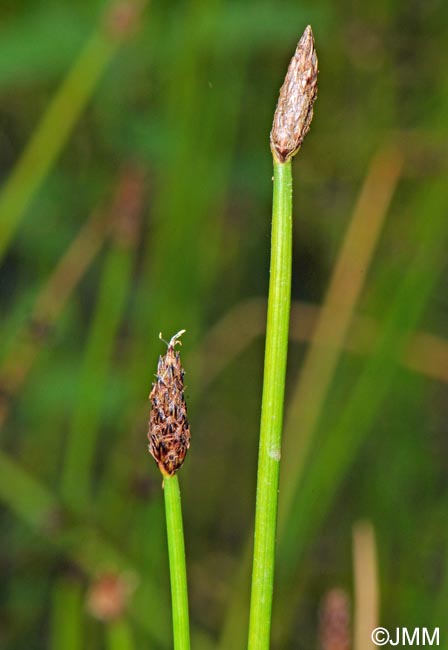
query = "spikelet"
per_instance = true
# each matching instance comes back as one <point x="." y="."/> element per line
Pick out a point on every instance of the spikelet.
<point x="294" y="110"/>
<point x="169" y="431"/>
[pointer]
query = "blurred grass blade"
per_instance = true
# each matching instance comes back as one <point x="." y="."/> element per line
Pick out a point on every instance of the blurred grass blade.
<point x="234" y="332"/>
<point x="35" y="504"/>
<point x="366" y="590"/>
<point x="67" y="622"/>
<point x="119" y="635"/>
<point x="39" y="44"/>
<point x="114" y="289"/>
<point x="342" y="442"/>
<point x="53" y="297"/>
<point x="197" y="209"/>
<point x="336" y="313"/>
<point x="30" y="500"/>
<point x="56" y="125"/>
<point x="235" y="626"/>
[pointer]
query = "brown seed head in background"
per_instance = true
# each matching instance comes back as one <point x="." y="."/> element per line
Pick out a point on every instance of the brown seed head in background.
<point x="334" y="624"/>
<point x="294" y="110"/>
<point x="169" y="431"/>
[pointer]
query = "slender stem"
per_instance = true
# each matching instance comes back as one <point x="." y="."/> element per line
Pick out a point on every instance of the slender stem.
<point x="178" y="572"/>
<point x="272" y="409"/>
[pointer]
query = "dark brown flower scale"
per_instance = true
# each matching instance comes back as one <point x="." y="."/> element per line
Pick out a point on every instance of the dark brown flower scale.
<point x="294" y="110"/>
<point x="169" y="431"/>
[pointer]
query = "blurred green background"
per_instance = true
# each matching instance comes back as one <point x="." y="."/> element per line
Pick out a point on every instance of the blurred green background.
<point x="135" y="199"/>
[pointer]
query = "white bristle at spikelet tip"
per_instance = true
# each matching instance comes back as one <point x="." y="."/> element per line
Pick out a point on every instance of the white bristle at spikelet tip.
<point x="173" y="340"/>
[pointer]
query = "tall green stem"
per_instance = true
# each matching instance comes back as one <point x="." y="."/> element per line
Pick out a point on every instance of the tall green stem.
<point x="178" y="572"/>
<point x="272" y="409"/>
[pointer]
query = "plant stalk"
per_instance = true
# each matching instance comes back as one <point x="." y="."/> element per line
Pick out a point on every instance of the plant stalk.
<point x="178" y="572"/>
<point x="272" y="409"/>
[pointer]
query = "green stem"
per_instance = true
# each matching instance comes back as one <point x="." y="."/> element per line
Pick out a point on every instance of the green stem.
<point x="178" y="572"/>
<point x="272" y="409"/>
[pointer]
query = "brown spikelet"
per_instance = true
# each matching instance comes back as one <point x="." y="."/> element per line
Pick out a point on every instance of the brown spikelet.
<point x="294" y="110"/>
<point x="334" y="628"/>
<point x="169" y="431"/>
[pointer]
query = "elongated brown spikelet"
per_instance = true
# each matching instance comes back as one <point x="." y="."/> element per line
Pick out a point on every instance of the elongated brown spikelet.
<point x="169" y="431"/>
<point x="294" y="110"/>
